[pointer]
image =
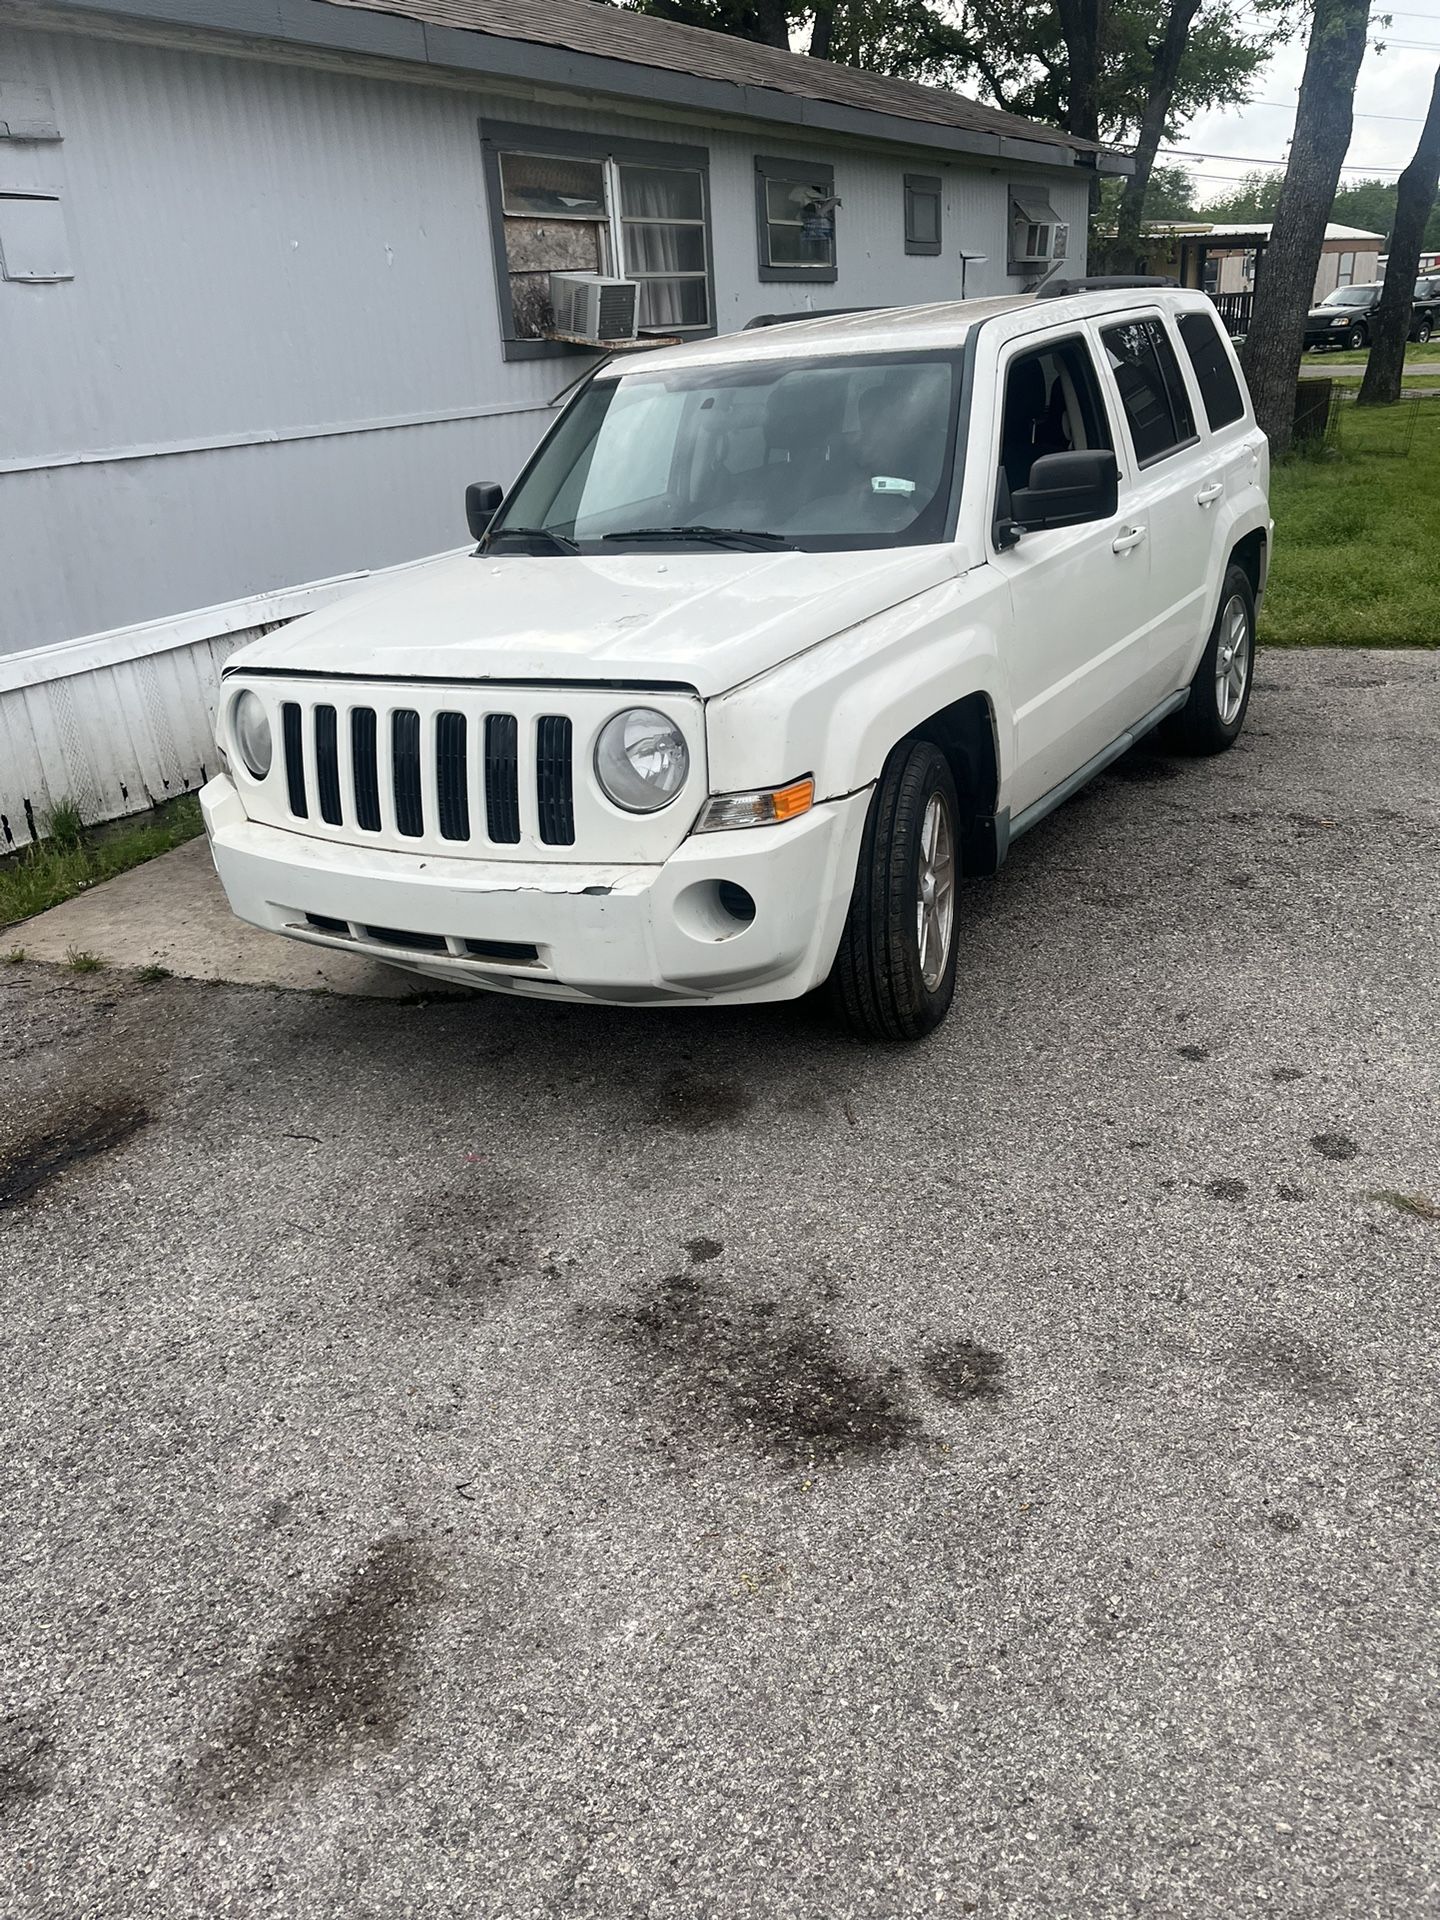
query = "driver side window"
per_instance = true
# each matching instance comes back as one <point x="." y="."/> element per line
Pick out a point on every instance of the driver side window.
<point x="1052" y="405"/>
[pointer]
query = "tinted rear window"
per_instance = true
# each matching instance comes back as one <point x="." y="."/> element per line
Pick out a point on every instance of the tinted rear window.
<point x="1219" y="388"/>
<point x="1151" y="389"/>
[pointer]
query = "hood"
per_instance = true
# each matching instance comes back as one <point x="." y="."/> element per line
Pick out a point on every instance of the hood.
<point x="701" y="620"/>
<point x="1338" y="313"/>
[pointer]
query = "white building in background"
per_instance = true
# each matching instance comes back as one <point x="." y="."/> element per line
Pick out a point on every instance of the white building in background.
<point x="276" y="286"/>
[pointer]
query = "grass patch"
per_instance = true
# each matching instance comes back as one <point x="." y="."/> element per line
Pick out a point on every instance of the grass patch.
<point x="1342" y="356"/>
<point x="1418" y="1205"/>
<point x="152" y="976"/>
<point x="1357" y="563"/>
<point x="14" y="958"/>
<point x="80" y="960"/>
<point x="70" y="858"/>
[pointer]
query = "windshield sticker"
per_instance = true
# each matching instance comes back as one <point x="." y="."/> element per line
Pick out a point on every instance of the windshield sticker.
<point x="887" y="483"/>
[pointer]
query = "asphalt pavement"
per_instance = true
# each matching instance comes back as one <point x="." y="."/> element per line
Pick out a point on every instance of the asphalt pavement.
<point x="468" y="1458"/>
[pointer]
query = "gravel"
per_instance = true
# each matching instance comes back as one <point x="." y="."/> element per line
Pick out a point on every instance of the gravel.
<point x="491" y="1460"/>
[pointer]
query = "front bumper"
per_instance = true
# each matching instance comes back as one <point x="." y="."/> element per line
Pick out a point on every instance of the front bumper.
<point x="642" y="935"/>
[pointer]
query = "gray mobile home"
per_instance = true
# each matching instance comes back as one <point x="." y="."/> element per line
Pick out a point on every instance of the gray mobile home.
<point x="275" y="284"/>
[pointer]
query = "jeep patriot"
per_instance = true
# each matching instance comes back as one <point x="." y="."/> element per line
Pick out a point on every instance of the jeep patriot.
<point x="775" y="637"/>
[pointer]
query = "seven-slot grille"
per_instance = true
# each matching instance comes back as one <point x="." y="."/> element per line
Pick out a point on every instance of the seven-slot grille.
<point x="388" y="757"/>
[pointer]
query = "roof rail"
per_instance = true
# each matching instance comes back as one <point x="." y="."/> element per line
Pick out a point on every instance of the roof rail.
<point x="1102" y="283"/>
<point x="816" y="313"/>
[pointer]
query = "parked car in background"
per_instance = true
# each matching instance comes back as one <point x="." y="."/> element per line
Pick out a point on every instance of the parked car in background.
<point x="1427" y="306"/>
<point x="776" y="637"/>
<point x="1346" y="317"/>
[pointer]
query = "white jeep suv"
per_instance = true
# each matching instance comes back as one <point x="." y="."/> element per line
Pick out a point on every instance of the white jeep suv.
<point x="775" y="637"/>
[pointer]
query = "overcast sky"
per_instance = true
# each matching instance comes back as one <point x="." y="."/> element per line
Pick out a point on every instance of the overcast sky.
<point x="1390" y="104"/>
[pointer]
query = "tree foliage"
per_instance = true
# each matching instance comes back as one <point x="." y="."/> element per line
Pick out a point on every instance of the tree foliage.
<point x="1367" y="204"/>
<point x="1013" y="52"/>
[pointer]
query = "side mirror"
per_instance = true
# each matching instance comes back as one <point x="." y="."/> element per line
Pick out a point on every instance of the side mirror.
<point x="482" y="498"/>
<point x="1066" y="489"/>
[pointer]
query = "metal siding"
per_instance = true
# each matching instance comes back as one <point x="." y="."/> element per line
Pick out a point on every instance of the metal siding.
<point x="270" y="249"/>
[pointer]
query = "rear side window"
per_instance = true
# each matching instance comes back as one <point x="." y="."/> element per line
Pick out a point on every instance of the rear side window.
<point x="1219" y="388"/>
<point x="1151" y="389"/>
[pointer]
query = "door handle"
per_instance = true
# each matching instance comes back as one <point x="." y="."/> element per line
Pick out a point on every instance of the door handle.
<point x="1131" y="537"/>
<point x="1207" y="496"/>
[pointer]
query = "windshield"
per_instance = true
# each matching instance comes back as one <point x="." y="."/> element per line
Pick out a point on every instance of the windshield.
<point x="816" y="453"/>
<point x="1349" y="297"/>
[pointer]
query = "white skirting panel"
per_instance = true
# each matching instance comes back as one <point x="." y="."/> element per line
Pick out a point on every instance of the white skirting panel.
<point x="117" y="722"/>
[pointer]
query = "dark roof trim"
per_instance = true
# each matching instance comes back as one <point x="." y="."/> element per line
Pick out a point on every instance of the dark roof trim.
<point x="355" y="30"/>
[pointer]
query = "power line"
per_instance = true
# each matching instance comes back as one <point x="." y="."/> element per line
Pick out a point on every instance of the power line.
<point x="1288" y="106"/>
<point x="1254" y="160"/>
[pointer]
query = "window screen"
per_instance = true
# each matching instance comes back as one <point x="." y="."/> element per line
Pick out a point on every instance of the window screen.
<point x="1151" y="388"/>
<point x="662" y="219"/>
<point x="795" y="210"/>
<point x="1219" y="388"/>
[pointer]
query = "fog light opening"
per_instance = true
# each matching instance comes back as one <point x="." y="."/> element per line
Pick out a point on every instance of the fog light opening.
<point x="735" y="901"/>
<point x="714" y="910"/>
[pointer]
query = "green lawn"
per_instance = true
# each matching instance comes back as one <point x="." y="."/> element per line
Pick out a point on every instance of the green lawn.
<point x="71" y="858"/>
<point x="1357" y="535"/>
<point x="1343" y="355"/>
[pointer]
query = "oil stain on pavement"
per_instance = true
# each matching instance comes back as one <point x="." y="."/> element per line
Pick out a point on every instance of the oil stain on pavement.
<point x="66" y="1140"/>
<point x="338" y="1686"/>
<point x="964" y="1373"/>
<point x="719" y="1364"/>
<point x="26" y="1758"/>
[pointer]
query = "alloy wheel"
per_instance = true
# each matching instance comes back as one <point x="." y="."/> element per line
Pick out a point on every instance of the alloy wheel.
<point x="935" y="892"/>
<point x="1232" y="660"/>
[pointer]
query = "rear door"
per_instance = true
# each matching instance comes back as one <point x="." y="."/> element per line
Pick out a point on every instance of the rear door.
<point x="1229" y="469"/>
<point x="1176" y="476"/>
<point x="1082" y="598"/>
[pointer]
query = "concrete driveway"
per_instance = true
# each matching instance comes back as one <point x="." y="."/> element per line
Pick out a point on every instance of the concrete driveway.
<point x="488" y="1460"/>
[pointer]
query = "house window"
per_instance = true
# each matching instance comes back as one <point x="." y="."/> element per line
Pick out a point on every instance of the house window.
<point x="795" y="208"/>
<point x="1346" y="276"/>
<point x="922" y="213"/>
<point x="662" y="232"/>
<point x="578" y="203"/>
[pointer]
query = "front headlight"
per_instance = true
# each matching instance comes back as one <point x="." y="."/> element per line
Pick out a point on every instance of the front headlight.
<point x="250" y="725"/>
<point x="1340" y="322"/>
<point x="641" y="760"/>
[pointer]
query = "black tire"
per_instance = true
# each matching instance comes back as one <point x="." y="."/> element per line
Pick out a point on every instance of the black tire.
<point x="878" y="987"/>
<point x="1357" y="337"/>
<point x="1200" y="726"/>
<point x="1422" y="333"/>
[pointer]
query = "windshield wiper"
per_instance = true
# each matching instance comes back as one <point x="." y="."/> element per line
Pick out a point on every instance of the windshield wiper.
<point x="556" y="540"/>
<point x="699" y="533"/>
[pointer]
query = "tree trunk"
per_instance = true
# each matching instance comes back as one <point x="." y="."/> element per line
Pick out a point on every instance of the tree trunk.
<point x="1286" y="282"/>
<point x="1386" y="367"/>
<point x="823" y="32"/>
<point x="1082" y="23"/>
<point x="1152" y="129"/>
<point x="1082" y="27"/>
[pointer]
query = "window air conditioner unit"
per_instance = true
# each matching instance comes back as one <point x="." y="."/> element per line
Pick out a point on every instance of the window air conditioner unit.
<point x="588" y="306"/>
<point x="1037" y="237"/>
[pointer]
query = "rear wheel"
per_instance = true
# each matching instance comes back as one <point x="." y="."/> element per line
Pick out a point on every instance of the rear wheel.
<point x="1211" y="719"/>
<point x="894" y="975"/>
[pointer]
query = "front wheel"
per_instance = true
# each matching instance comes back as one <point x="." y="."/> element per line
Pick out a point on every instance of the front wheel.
<point x="894" y="975"/>
<point x="1422" y="333"/>
<point x="1356" y="338"/>
<point x="1211" y="719"/>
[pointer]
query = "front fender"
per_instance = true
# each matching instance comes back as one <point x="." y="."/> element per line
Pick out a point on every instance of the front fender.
<point x="836" y="710"/>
